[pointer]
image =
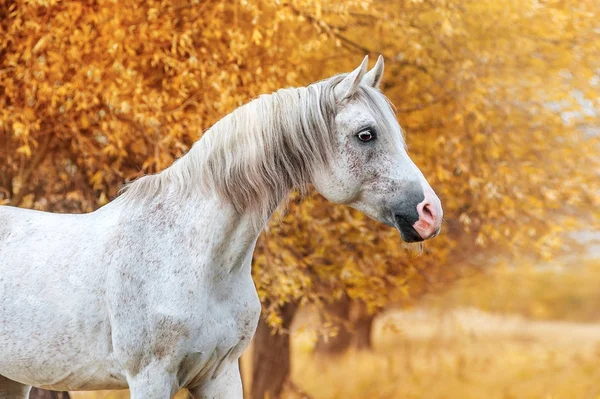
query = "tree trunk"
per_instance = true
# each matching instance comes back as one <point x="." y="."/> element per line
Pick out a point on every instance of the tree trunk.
<point x="354" y="325"/>
<point x="340" y="313"/>
<point x="271" y="357"/>
<point x="362" y="332"/>
<point x="37" y="393"/>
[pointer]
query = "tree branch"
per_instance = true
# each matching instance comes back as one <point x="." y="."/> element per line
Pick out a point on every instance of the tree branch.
<point x="423" y="105"/>
<point x="349" y="43"/>
<point x="35" y="162"/>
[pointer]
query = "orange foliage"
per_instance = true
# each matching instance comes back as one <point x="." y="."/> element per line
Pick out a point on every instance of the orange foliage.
<point x="497" y="103"/>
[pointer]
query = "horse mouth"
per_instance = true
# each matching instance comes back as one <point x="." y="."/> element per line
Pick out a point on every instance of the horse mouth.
<point x="407" y="231"/>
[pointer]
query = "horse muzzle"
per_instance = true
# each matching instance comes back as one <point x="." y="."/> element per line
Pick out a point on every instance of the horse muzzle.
<point x="421" y="218"/>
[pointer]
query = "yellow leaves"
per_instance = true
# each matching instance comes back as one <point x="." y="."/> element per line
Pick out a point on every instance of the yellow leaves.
<point x="152" y="14"/>
<point x="480" y="138"/>
<point x="318" y="10"/>
<point x="84" y="121"/>
<point x="19" y="129"/>
<point x="74" y="196"/>
<point x="28" y="201"/>
<point x="274" y="320"/>
<point x="257" y="37"/>
<point x="102" y="200"/>
<point x="41" y="44"/>
<point x="25" y="149"/>
<point x="443" y="174"/>
<point x="465" y="220"/>
<point x="446" y="28"/>
<point x="129" y="88"/>
<point x="97" y="179"/>
<point x="125" y="107"/>
<point x="139" y="147"/>
<point x="480" y="240"/>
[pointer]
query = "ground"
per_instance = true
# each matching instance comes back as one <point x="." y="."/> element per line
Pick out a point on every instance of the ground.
<point x="462" y="354"/>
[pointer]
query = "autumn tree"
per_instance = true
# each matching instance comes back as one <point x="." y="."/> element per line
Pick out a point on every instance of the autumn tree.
<point x="494" y="100"/>
<point x="495" y="103"/>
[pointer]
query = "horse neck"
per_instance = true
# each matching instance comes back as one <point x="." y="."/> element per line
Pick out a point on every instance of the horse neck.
<point x="175" y="211"/>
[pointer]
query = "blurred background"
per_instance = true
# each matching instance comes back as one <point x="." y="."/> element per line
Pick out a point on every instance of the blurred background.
<point x="499" y="101"/>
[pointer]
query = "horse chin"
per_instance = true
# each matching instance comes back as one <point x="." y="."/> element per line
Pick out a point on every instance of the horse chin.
<point x="407" y="232"/>
<point x="410" y="236"/>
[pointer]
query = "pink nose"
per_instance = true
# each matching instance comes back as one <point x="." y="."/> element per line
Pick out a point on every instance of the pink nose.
<point x="430" y="216"/>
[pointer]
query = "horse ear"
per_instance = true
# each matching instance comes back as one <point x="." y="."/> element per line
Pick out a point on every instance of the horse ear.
<point x="348" y="86"/>
<point x="373" y="77"/>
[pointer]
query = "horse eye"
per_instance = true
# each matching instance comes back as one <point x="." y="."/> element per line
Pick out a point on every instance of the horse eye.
<point x="366" y="135"/>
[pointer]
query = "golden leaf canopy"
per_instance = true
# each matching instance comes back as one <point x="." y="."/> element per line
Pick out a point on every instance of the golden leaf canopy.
<point x="499" y="101"/>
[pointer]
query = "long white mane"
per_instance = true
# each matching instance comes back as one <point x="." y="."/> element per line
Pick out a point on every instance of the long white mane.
<point x="257" y="154"/>
<point x="254" y="156"/>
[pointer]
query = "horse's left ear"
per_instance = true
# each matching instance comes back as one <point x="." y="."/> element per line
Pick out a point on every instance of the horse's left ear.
<point x="348" y="86"/>
<point x="373" y="77"/>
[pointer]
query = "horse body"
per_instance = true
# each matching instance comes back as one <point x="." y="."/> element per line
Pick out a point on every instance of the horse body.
<point x="52" y="288"/>
<point x="154" y="291"/>
<point x="158" y="286"/>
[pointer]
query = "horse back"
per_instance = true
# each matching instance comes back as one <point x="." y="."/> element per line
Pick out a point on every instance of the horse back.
<point x="52" y="306"/>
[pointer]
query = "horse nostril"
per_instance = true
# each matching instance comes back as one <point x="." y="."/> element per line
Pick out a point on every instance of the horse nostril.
<point x="430" y="214"/>
<point x="427" y="213"/>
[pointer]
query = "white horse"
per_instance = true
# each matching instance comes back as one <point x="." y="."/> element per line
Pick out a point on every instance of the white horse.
<point x="153" y="291"/>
